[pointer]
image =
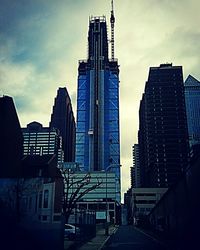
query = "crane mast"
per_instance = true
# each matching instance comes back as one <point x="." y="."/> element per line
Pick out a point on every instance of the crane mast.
<point x="112" y="22"/>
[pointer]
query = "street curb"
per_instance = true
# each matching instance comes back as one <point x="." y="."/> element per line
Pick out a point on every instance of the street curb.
<point x="105" y="241"/>
<point x="102" y="245"/>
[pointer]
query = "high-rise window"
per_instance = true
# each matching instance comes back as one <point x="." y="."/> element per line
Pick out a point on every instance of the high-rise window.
<point x="46" y="198"/>
<point x="40" y="199"/>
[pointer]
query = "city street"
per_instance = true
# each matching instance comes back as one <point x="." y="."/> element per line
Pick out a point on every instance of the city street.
<point x="127" y="237"/>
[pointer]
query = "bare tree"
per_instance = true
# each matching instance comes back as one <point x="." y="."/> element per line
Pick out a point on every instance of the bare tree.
<point x="16" y="189"/>
<point x="75" y="188"/>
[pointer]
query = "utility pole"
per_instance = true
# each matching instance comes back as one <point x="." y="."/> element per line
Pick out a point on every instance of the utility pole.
<point x="107" y="205"/>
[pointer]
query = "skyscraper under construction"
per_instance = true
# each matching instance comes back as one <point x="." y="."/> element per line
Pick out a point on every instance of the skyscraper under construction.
<point x="97" y="133"/>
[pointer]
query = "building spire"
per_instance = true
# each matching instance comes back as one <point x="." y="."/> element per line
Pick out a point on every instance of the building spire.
<point x="112" y="22"/>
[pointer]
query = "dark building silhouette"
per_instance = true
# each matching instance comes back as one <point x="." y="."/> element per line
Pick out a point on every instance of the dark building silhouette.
<point x="40" y="166"/>
<point x="11" y="139"/>
<point x="163" y="134"/>
<point x="31" y="206"/>
<point x="135" y="169"/>
<point x="127" y="204"/>
<point x="176" y="215"/>
<point x="192" y="100"/>
<point x="62" y="118"/>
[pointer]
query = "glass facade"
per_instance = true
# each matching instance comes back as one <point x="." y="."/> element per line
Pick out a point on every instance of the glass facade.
<point x="110" y="127"/>
<point x="97" y="133"/>
<point x="192" y="100"/>
<point x="82" y="139"/>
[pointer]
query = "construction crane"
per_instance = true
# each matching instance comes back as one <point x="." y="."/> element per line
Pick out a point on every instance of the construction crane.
<point x="112" y="22"/>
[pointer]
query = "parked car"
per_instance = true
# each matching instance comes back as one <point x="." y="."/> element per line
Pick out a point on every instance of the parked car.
<point x="71" y="231"/>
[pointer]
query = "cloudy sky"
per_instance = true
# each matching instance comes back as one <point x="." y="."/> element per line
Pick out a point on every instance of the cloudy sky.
<point x="41" y="42"/>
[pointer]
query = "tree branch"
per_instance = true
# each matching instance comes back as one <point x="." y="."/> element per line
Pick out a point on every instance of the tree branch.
<point x="77" y="188"/>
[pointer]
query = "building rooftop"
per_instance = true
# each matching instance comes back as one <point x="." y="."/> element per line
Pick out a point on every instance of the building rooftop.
<point x="94" y="19"/>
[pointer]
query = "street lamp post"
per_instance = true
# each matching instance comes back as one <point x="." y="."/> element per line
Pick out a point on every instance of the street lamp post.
<point x="106" y="224"/>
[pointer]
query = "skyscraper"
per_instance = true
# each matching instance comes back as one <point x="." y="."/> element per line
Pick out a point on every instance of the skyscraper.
<point x="62" y="118"/>
<point x="11" y="140"/>
<point x="97" y="133"/>
<point x="135" y="169"/>
<point x="39" y="140"/>
<point x="163" y="134"/>
<point x="192" y="100"/>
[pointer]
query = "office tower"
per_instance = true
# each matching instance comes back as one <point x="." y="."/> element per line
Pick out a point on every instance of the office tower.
<point x="97" y="134"/>
<point x="39" y="140"/>
<point x="62" y="118"/>
<point x="142" y="142"/>
<point x="135" y="169"/>
<point x="163" y="134"/>
<point x="11" y="139"/>
<point x="192" y="100"/>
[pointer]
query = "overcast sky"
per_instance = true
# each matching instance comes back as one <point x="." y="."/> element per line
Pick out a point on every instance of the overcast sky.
<point x="41" y="42"/>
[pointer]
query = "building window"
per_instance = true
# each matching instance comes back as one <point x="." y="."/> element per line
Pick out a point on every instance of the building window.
<point x="57" y="218"/>
<point x="41" y="151"/>
<point x="30" y="202"/>
<point x="92" y="206"/>
<point x="36" y="203"/>
<point x="82" y="206"/>
<point x="111" y="206"/>
<point x="31" y="150"/>
<point x="102" y="206"/>
<point x="40" y="172"/>
<point x="40" y="200"/>
<point x="46" y="196"/>
<point x="44" y="217"/>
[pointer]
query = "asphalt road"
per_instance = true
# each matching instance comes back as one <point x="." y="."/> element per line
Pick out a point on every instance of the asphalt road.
<point x="127" y="237"/>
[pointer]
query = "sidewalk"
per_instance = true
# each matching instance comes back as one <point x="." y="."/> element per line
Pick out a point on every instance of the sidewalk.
<point x="165" y="241"/>
<point x="95" y="243"/>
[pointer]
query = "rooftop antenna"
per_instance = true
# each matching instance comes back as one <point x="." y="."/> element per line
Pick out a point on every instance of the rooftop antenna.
<point x="112" y="22"/>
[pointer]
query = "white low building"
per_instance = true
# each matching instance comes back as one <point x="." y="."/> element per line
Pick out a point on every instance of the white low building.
<point x="144" y="199"/>
<point x="103" y="199"/>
